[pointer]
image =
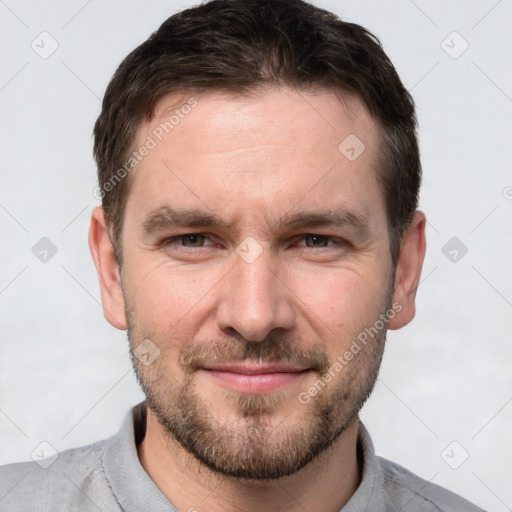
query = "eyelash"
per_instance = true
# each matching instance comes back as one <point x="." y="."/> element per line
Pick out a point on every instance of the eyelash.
<point x="171" y="240"/>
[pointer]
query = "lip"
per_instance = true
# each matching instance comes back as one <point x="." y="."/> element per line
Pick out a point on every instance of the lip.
<point x="254" y="378"/>
<point x="255" y="369"/>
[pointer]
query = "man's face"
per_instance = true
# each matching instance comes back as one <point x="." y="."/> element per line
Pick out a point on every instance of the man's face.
<point x="249" y="312"/>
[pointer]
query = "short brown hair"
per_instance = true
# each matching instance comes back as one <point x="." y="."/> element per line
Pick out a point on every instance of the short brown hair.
<point x="241" y="46"/>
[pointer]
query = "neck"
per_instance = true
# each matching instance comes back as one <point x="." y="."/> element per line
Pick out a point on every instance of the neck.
<point x="325" y="484"/>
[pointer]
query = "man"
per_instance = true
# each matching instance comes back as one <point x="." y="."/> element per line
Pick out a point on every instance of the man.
<point x="258" y="235"/>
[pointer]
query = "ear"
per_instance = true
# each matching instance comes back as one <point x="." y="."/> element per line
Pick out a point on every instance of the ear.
<point x="102" y="253"/>
<point x="408" y="271"/>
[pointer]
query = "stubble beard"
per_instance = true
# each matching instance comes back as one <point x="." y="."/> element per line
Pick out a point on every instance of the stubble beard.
<point x="256" y="443"/>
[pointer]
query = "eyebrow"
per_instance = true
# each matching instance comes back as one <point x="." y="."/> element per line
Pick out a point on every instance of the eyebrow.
<point x="166" y="217"/>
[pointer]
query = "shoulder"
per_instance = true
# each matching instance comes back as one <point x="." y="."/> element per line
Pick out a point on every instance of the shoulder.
<point x="412" y="493"/>
<point x="73" y="477"/>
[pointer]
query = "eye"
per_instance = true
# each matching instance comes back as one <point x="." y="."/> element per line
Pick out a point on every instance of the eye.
<point x="192" y="240"/>
<point x="315" y="241"/>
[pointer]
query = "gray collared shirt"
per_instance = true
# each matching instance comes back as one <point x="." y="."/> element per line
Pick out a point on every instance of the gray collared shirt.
<point x="108" y="476"/>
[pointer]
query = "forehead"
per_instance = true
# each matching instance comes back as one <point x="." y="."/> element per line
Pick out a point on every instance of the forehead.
<point x="217" y="121"/>
<point x="263" y="152"/>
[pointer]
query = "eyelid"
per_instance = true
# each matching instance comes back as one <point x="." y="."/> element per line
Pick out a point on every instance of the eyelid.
<point x="338" y="240"/>
<point x="176" y="238"/>
<point x="300" y="238"/>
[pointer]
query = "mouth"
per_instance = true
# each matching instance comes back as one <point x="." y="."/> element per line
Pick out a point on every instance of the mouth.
<point x="254" y="378"/>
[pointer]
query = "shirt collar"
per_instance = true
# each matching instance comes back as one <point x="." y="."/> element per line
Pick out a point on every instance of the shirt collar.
<point x="131" y="485"/>
<point x="369" y="491"/>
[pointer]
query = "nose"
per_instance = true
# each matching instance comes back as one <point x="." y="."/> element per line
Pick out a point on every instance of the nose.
<point x="255" y="300"/>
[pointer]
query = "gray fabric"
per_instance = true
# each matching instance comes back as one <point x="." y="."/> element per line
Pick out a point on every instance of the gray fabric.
<point x="107" y="476"/>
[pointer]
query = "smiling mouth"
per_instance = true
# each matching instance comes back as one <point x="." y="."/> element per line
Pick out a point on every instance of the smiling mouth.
<point x="254" y="378"/>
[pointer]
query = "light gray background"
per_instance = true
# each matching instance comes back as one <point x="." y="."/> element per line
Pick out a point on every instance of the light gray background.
<point x="64" y="372"/>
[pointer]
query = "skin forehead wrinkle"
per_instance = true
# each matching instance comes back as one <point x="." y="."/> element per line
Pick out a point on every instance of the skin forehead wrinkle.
<point x="165" y="217"/>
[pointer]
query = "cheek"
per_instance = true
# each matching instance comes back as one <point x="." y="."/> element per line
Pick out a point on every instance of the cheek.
<point x="166" y="300"/>
<point x="340" y="304"/>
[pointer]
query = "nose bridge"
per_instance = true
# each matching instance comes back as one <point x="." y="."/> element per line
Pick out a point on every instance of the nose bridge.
<point x="254" y="300"/>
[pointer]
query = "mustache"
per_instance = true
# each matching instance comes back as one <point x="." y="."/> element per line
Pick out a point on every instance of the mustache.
<point x="273" y="349"/>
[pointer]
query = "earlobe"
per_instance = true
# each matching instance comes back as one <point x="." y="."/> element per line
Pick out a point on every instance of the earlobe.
<point x="408" y="271"/>
<point x="102" y="253"/>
